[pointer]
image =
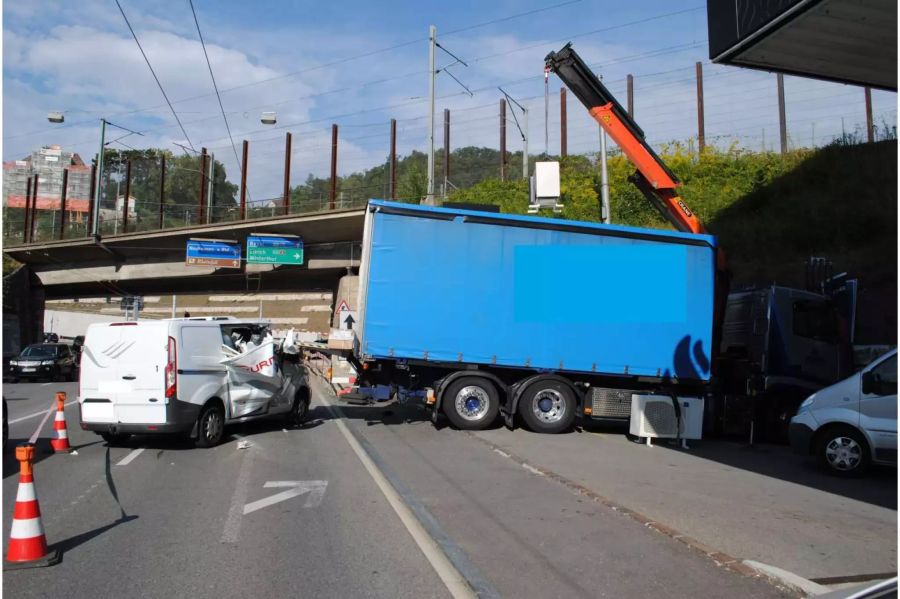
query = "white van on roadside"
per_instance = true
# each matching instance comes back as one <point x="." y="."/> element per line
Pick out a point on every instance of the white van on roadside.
<point x="852" y="423"/>
<point x="169" y="376"/>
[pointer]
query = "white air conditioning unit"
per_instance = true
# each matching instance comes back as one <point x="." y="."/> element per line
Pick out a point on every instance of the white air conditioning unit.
<point x="655" y="417"/>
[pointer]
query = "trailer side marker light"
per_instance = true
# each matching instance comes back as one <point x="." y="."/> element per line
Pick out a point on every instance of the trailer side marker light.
<point x="588" y="410"/>
<point x="430" y="398"/>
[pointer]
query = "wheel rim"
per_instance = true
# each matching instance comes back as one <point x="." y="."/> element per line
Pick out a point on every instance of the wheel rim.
<point x="472" y="402"/>
<point x="212" y="426"/>
<point x="843" y="453"/>
<point x="548" y="405"/>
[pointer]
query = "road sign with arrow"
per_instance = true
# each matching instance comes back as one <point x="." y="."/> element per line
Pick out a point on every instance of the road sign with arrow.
<point x="263" y="248"/>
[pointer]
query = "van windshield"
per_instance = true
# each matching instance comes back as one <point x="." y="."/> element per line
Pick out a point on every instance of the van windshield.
<point x="40" y="351"/>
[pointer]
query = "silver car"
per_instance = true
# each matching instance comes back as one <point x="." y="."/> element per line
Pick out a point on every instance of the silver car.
<point x="853" y="423"/>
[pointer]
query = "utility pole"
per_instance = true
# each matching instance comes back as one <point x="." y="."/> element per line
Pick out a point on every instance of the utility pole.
<point x="210" y="185"/>
<point x="525" y="145"/>
<point x="287" y="173"/>
<point x="96" y="222"/>
<point x="162" y="189"/>
<point x="62" y="204"/>
<point x="334" y="146"/>
<point x="870" y="129"/>
<point x="244" y="152"/>
<point x="546" y="111"/>
<point x="782" y="121"/>
<point x="701" y="126"/>
<point x="502" y="139"/>
<point x="432" y="33"/>
<point x="629" y="92"/>
<point x="446" y="151"/>
<point x="393" y="159"/>
<point x="604" y="179"/>
<point x="563" y="125"/>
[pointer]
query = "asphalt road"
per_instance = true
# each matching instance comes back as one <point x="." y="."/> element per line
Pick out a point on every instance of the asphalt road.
<point x="158" y="518"/>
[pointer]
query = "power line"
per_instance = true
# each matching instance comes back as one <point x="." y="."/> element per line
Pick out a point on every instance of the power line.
<point x="147" y="60"/>
<point x="215" y="86"/>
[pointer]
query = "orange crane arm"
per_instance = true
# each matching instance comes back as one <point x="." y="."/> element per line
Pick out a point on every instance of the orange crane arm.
<point x="654" y="179"/>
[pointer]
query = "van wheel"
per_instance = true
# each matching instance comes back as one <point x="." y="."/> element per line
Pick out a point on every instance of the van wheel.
<point x="299" y="409"/>
<point x="210" y="426"/>
<point x="843" y="451"/>
<point x="548" y="407"/>
<point x="471" y="403"/>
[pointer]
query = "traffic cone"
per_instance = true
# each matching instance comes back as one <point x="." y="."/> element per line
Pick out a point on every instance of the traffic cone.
<point x="61" y="442"/>
<point x="27" y="543"/>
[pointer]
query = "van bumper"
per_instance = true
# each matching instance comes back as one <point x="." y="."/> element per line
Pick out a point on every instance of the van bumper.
<point x="180" y="418"/>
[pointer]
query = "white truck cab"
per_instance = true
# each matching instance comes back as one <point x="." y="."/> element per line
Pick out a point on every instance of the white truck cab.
<point x="174" y="376"/>
<point x="853" y="422"/>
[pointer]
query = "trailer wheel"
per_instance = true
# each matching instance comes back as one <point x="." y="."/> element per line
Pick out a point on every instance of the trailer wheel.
<point x="548" y="407"/>
<point x="471" y="403"/>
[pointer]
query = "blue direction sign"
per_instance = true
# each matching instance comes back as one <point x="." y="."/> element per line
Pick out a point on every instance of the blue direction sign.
<point x="274" y="249"/>
<point x="213" y="252"/>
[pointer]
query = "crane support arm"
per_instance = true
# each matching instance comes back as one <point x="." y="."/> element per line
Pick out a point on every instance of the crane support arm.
<point x="653" y="178"/>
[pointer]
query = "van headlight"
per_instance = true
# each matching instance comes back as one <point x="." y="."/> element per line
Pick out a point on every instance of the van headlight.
<point x="46" y="362"/>
<point x="808" y="401"/>
<point x="13" y="363"/>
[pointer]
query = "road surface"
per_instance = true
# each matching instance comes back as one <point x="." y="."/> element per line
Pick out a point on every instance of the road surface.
<point x="297" y="513"/>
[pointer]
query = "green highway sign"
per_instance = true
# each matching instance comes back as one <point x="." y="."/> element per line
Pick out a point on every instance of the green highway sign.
<point x="274" y="249"/>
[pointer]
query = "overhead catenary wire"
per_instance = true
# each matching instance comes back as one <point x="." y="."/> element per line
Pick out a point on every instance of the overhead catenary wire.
<point x="215" y="85"/>
<point x="150" y="66"/>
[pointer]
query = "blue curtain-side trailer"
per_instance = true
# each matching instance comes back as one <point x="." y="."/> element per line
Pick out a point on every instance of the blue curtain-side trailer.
<point x="541" y="318"/>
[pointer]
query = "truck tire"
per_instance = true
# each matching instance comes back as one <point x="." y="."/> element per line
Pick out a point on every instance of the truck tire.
<point x="842" y="450"/>
<point x="471" y="403"/>
<point x="210" y="426"/>
<point x="548" y="407"/>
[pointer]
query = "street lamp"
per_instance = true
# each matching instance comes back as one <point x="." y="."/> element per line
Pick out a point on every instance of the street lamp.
<point x="268" y="118"/>
<point x="56" y="117"/>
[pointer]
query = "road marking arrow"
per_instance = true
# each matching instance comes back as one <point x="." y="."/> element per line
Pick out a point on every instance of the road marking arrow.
<point x="315" y="489"/>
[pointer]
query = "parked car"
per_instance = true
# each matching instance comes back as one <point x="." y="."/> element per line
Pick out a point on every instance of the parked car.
<point x="852" y="423"/>
<point x="52" y="361"/>
<point x="187" y="376"/>
<point x="51" y="338"/>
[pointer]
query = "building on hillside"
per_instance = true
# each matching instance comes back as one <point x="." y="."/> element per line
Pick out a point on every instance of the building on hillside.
<point x="48" y="164"/>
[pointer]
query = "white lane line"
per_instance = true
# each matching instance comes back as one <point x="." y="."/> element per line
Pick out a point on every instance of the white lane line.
<point x="454" y="581"/>
<point x="235" y="512"/>
<point x="532" y="469"/>
<point x="36" y="414"/>
<point x="130" y="457"/>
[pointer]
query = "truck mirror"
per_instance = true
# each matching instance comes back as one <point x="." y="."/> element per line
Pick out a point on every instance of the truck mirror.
<point x="869" y="383"/>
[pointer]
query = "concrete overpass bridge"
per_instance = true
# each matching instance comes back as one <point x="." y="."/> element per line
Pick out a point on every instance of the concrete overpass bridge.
<point x="153" y="262"/>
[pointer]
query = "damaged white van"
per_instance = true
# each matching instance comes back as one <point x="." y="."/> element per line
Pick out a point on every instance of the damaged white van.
<point x="187" y="375"/>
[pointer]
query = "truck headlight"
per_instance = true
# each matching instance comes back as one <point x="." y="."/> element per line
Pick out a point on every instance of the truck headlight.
<point x="808" y="401"/>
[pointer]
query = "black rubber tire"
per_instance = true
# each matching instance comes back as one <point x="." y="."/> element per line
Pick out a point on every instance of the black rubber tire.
<point x="299" y="409"/>
<point x="115" y="439"/>
<point x="210" y="426"/>
<point x="829" y="434"/>
<point x="458" y="420"/>
<point x="535" y="424"/>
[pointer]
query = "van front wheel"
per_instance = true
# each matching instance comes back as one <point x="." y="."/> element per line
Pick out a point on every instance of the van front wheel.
<point x="210" y="426"/>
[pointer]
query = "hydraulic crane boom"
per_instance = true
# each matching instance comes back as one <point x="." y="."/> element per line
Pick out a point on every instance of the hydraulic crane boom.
<point x="653" y="177"/>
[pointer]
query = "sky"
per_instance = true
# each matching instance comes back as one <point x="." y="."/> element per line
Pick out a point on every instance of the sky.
<point x="358" y="64"/>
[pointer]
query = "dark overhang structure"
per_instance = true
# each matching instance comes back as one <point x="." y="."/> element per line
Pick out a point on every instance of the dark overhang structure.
<point x="848" y="41"/>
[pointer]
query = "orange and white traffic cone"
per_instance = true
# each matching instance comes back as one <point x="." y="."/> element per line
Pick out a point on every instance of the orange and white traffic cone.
<point x="27" y="543"/>
<point x="61" y="442"/>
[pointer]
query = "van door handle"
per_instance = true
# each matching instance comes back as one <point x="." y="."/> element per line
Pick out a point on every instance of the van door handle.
<point x="129" y="377"/>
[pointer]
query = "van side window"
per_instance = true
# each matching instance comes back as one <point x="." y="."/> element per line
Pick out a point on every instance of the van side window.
<point x="202" y="342"/>
<point x="815" y="320"/>
<point x="886" y="376"/>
